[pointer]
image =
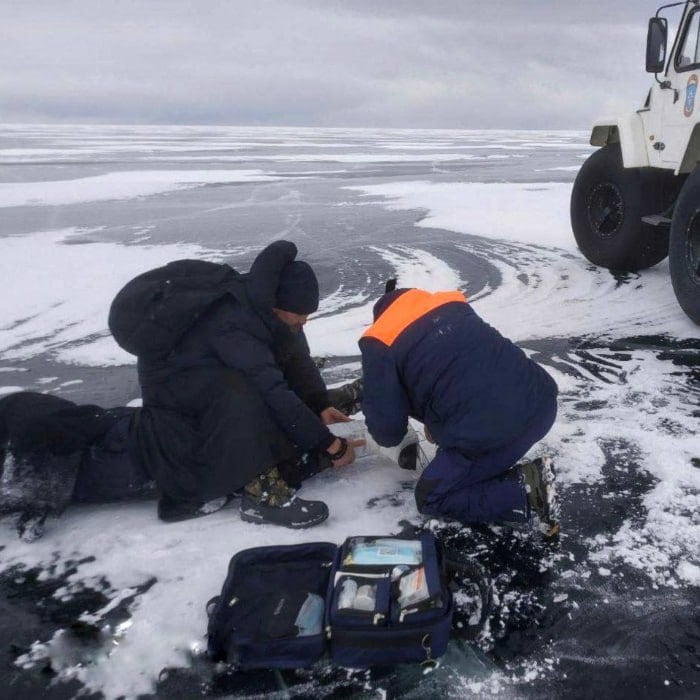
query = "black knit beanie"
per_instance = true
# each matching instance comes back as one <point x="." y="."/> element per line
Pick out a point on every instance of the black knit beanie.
<point x="298" y="288"/>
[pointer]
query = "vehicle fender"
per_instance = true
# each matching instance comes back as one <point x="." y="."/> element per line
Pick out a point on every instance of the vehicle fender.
<point x="626" y="130"/>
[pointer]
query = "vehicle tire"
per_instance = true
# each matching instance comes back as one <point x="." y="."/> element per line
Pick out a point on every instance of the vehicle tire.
<point x="608" y="202"/>
<point x="684" y="249"/>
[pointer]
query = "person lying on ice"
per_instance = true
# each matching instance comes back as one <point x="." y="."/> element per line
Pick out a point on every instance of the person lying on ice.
<point x="483" y="402"/>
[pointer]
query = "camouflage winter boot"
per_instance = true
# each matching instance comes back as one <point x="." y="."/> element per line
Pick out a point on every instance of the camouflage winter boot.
<point x="268" y="499"/>
<point x="542" y="499"/>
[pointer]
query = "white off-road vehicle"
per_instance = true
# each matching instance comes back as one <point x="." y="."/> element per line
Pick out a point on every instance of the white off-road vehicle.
<point x="637" y="198"/>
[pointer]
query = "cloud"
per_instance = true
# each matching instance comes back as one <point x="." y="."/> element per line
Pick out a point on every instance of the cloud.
<point x="323" y="63"/>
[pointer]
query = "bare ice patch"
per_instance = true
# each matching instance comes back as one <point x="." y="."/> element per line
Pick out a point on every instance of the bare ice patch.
<point x="548" y="288"/>
<point x="535" y="213"/>
<point x="118" y="185"/>
<point x="59" y="302"/>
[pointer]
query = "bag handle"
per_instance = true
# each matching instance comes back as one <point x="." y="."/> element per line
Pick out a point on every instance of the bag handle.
<point x="459" y="570"/>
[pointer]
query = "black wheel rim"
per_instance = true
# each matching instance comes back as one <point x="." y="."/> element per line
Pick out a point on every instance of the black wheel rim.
<point x="692" y="248"/>
<point x="606" y="209"/>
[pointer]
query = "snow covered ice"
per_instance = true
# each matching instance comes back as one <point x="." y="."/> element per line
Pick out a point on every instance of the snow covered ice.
<point x="87" y="208"/>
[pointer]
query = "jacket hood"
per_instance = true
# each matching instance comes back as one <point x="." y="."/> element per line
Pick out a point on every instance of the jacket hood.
<point x="386" y="300"/>
<point x="265" y="272"/>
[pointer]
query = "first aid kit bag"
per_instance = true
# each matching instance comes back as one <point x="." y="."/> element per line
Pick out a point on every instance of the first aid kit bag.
<point x="373" y="601"/>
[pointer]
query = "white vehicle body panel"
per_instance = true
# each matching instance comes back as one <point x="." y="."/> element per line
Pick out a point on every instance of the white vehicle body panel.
<point x="628" y="130"/>
<point x="666" y="132"/>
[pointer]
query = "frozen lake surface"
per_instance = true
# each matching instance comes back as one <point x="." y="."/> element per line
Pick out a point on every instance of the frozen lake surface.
<point x="112" y="601"/>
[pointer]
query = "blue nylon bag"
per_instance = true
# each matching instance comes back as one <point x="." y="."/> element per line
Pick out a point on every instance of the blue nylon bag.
<point x="374" y="601"/>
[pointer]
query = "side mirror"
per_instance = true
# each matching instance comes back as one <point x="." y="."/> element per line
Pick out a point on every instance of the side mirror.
<point x="656" y="44"/>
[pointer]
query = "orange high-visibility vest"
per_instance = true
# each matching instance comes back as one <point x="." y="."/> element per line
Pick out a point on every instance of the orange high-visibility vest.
<point x="406" y="309"/>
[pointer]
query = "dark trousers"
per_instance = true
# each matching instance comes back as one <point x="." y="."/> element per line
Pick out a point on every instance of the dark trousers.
<point x="108" y="469"/>
<point x="484" y="487"/>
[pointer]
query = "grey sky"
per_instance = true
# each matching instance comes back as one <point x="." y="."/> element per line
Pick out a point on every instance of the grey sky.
<point x="375" y="63"/>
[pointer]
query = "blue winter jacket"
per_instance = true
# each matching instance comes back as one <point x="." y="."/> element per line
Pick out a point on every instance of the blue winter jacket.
<point x="431" y="357"/>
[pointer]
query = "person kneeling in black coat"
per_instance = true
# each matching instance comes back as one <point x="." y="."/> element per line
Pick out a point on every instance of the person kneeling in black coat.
<point x="237" y="402"/>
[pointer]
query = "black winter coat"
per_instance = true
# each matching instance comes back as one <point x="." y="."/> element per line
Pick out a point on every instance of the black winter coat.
<point x="238" y="394"/>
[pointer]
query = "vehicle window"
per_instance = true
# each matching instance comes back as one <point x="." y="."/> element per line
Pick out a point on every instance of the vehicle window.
<point x="689" y="52"/>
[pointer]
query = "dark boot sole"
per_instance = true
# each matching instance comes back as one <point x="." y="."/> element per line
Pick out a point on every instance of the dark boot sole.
<point x="249" y="516"/>
<point x="175" y="514"/>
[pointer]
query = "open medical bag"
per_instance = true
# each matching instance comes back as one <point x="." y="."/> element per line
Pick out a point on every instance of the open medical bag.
<point x="373" y="601"/>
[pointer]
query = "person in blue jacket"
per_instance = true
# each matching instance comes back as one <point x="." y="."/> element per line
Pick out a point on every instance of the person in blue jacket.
<point x="483" y="402"/>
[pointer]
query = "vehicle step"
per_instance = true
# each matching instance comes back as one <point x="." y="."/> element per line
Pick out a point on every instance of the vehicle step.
<point x="657" y="220"/>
